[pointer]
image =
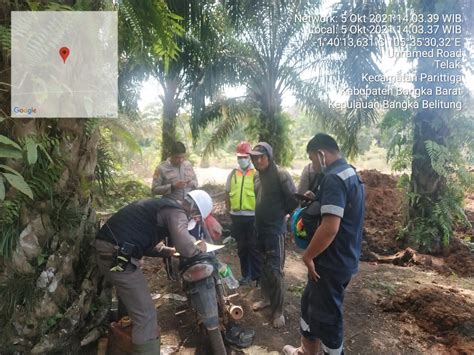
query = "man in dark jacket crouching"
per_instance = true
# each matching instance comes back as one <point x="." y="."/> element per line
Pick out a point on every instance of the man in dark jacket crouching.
<point x="137" y="230"/>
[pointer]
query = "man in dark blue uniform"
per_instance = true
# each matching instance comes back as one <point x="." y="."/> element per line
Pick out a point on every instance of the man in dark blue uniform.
<point x="332" y="256"/>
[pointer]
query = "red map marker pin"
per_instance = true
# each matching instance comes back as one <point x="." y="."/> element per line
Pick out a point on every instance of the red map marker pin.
<point x="64" y="53"/>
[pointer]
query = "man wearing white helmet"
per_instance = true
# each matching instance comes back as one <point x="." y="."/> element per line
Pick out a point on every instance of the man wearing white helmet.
<point x="139" y="229"/>
<point x="200" y="202"/>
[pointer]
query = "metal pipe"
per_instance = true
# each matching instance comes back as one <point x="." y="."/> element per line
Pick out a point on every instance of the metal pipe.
<point x="235" y="312"/>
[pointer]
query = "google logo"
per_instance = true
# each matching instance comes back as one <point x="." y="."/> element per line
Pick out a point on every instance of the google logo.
<point x="25" y="110"/>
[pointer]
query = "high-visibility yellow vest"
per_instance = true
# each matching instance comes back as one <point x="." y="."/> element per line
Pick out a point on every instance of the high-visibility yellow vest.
<point x="242" y="194"/>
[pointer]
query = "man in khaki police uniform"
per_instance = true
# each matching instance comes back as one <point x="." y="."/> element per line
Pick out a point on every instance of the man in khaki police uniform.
<point x="175" y="177"/>
<point x="240" y="203"/>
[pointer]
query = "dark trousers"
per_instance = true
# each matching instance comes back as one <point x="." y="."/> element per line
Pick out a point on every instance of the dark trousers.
<point x="322" y="309"/>
<point x="243" y="231"/>
<point x="272" y="247"/>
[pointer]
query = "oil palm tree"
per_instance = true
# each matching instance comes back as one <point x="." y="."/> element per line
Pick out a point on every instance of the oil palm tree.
<point x="277" y="52"/>
<point x="148" y="31"/>
<point x="439" y="178"/>
<point x="193" y="73"/>
<point x="52" y="299"/>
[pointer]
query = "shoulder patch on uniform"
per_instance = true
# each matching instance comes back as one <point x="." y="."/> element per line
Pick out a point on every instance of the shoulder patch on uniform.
<point x="163" y="163"/>
<point x="347" y="173"/>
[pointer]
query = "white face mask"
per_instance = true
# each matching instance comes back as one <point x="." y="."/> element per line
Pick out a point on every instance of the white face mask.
<point x="243" y="163"/>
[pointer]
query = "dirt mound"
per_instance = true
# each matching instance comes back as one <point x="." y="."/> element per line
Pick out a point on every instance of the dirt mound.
<point x="374" y="178"/>
<point x="446" y="314"/>
<point x="382" y="212"/>
<point x="383" y="219"/>
<point x="460" y="258"/>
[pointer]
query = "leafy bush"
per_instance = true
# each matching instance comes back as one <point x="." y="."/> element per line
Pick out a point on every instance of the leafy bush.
<point x="121" y="194"/>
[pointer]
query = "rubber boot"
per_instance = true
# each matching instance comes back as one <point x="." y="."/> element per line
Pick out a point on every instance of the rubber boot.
<point x="149" y="348"/>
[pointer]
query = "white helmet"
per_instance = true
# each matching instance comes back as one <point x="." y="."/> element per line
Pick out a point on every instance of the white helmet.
<point x="203" y="202"/>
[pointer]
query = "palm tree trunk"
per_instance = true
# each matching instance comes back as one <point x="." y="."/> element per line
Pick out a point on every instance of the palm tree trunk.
<point x="65" y="303"/>
<point x="425" y="180"/>
<point x="271" y="124"/>
<point x="170" y="112"/>
<point x="430" y="124"/>
<point x="51" y="288"/>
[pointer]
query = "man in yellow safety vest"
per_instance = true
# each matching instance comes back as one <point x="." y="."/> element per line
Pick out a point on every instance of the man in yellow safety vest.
<point x="240" y="203"/>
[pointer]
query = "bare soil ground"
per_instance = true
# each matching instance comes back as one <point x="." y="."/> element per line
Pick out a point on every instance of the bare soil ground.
<point x="389" y="309"/>
<point x="384" y="216"/>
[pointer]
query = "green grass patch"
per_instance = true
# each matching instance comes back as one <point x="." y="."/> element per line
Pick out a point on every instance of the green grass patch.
<point x="385" y="287"/>
<point x="297" y="289"/>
